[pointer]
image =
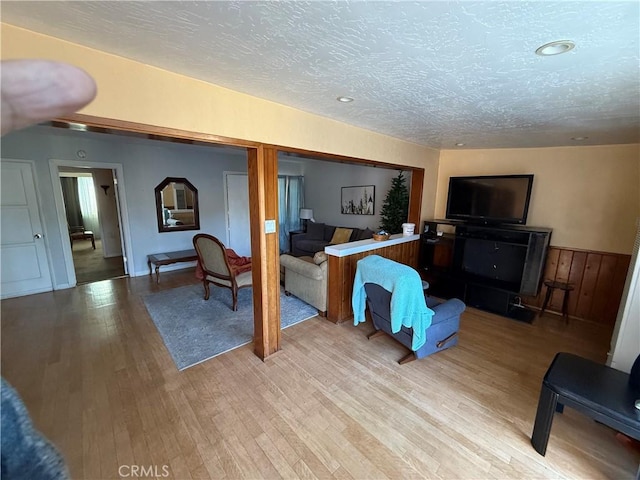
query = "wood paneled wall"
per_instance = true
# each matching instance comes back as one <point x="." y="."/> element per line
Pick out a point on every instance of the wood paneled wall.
<point x="598" y="278"/>
<point x="342" y="271"/>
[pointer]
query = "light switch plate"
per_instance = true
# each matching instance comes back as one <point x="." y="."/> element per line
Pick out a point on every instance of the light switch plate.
<point x="269" y="226"/>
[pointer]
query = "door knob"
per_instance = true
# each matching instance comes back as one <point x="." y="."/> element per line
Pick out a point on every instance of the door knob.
<point x="38" y="235"/>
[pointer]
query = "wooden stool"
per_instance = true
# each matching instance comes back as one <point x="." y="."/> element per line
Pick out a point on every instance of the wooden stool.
<point x="566" y="287"/>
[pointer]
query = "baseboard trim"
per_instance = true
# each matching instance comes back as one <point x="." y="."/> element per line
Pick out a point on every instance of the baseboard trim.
<point x="4" y="296"/>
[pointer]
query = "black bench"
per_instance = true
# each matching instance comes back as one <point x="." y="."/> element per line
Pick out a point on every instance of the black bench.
<point x="603" y="393"/>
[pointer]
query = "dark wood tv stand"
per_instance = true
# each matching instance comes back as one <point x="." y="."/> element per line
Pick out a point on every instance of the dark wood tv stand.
<point x="490" y="267"/>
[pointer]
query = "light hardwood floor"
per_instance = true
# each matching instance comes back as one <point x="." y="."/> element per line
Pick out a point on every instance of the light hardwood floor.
<point x="91" y="266"/>
<point x="100" y="384"/>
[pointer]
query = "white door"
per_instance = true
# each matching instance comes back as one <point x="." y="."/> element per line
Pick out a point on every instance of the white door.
<point x="238" y="225"/>
<point x="24" y="262"/>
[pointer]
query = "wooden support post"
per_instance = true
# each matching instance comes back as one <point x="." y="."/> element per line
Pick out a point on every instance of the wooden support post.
<point x="263" y="203"/>
<point x="415" y="197"/>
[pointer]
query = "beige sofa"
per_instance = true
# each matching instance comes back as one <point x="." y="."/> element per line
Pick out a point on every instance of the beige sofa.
<point x="306" y="278"/>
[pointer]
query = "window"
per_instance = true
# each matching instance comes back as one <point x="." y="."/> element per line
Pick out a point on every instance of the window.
<point x="290" y="201"/>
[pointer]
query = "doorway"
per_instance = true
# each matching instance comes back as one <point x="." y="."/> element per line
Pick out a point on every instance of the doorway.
<point x="237" y="208"/>
<point x="90" y="214"/>
<point x="92" y="217"/>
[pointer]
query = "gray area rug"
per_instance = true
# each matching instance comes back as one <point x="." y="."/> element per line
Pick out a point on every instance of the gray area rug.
<point x="195" y="330"/>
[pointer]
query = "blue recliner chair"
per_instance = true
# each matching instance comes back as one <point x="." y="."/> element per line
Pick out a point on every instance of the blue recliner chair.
<point x="442" y="334"/>
<point x="394" y="295"/>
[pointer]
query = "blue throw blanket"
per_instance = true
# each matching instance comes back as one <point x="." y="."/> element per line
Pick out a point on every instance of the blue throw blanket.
<point x="408" y="307"/>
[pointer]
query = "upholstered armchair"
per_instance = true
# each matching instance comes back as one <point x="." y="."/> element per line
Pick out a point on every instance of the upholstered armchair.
<point x="214" y="261"/>
<point x="306" y="278"/>
<point x="394" y="295"/>
<point x="441" y="334"/>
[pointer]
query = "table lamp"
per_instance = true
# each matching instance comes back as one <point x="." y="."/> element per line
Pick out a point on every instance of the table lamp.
<point x="306" y="214"/>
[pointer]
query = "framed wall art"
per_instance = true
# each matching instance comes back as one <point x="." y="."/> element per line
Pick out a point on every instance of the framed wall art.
<point x="358" y="200"/>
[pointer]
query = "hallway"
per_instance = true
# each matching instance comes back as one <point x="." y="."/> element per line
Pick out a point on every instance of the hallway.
<point x="91" y="266"/>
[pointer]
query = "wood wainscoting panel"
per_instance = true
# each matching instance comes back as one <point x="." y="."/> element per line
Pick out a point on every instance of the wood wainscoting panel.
<point x="598" y="279"/>
<point x="342" y="271"/>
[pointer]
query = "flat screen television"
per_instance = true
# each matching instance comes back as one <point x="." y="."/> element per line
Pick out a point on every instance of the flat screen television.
<point x="490" y="199"/>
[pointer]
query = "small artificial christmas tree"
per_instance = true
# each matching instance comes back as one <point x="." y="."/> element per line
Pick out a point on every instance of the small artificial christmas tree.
<point x="396" y="206"/>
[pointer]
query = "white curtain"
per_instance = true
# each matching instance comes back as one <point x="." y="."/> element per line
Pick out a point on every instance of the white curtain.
<point x="88" y="205"/>
<point x="290" y="201"/>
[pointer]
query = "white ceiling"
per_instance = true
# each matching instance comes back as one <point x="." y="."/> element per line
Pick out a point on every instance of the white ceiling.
<point x="434" y="73"/>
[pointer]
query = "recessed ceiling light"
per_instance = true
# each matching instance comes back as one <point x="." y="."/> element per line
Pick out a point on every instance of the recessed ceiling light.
<point x="555" y="48"/>
<point x="345" y="99"/>
<point x="579" y="139"/>
<point x="460" y="144"/>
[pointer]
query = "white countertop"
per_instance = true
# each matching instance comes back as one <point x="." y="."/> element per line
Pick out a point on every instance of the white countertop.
<point x="346" y="249"/>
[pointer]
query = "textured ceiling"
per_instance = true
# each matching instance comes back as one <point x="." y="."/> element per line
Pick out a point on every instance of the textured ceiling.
<point x="432" y="73"/>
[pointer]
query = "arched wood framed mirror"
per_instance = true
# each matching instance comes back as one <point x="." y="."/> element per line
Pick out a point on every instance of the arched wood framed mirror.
<point x="177" y="205"/>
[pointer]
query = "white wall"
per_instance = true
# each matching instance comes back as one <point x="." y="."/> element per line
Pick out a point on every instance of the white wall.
<point x="108" y="212"/>
<point x="289" y="167"/>
<point x="323" y="184"/>
<point x="145" y="163"/>
<point x="625" y="342"/>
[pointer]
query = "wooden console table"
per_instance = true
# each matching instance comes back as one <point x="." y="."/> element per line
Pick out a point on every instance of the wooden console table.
<point x="167" y="258"/>
<point x="342" y="268"/>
